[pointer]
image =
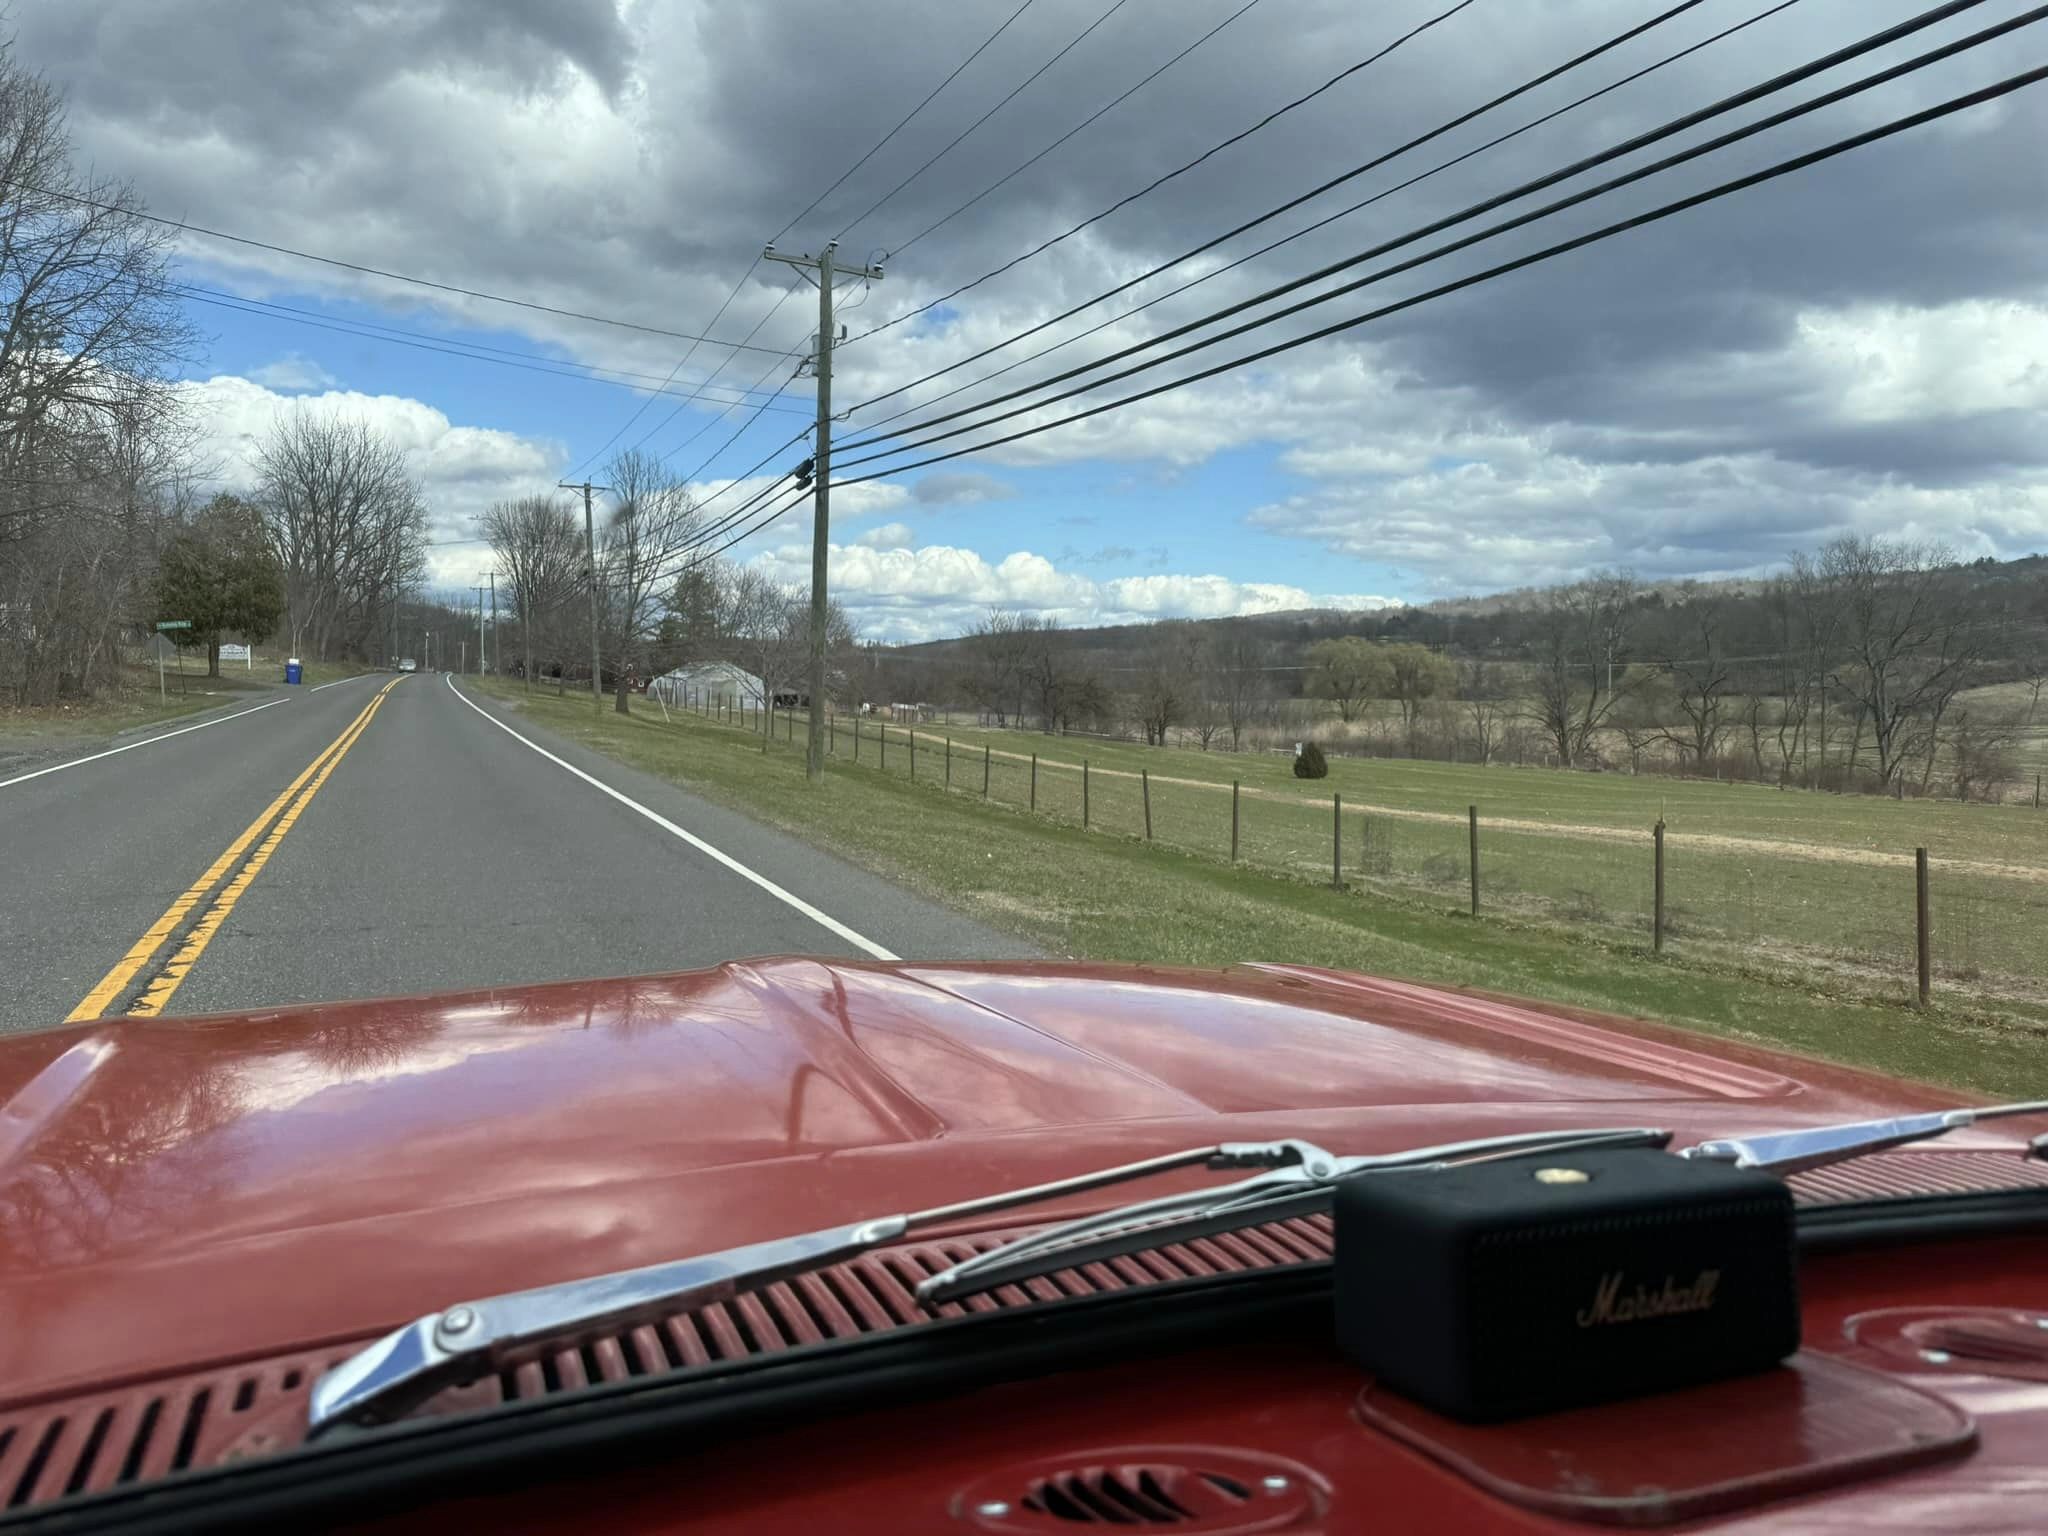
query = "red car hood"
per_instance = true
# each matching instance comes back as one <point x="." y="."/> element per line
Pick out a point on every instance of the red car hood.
<point x="178" y="1192"/>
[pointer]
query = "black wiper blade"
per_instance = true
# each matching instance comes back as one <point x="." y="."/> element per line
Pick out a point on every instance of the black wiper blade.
<point x="1788" y="1152"/>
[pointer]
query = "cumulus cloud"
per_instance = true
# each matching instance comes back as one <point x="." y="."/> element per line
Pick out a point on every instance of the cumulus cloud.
<point x="887" y="536"/>
<point x="293" y="372"/>
<point x="461" y="469"/>
<point x="903" y="593"/>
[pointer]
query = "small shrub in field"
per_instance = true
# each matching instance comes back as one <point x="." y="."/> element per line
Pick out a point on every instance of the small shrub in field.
<point x="1310" y="764"/>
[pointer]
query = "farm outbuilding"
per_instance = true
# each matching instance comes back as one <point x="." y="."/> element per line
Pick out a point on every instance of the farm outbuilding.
<point x="716" y="682"/>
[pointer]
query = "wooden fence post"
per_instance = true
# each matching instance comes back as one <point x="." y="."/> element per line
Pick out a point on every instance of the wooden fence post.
<point x="885" y="743"/>
<point x="831" y="734"/>
<point x="1034" y="781"/>
<point x="1084" y="794"/>
<point x="1922" y="925"/>
<point x="1472" y="819"/>
<point x="984" y="770"/>
<point x="1145" y="788"/>
<point x="1337" y="841"/>
<point x="1233" y="821"/>
<point x="1657" y="897"/>
<point x="913" y="751"/>
<point x="949" y="762"/>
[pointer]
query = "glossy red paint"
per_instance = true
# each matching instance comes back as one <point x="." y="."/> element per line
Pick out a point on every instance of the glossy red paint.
<point x="176" y="1193"/>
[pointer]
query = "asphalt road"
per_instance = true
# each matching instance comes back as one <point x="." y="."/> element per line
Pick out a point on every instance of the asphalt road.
<point x="366" y="840"/>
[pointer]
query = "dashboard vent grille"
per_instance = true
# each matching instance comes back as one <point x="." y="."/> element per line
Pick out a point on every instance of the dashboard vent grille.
<point x="1901" y="1175"/>
<point x="1121" y="1496"/>
<point x="91" y="1443"/>
<point x="88" y="1445"/>
<point x="876" y="1293"/>
<point x="1190" y="1490"/>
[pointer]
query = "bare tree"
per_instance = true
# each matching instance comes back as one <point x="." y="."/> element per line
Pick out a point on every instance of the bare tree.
<point x="1984" y="750"/>
<point x="1908" y="644"/>
<point x="1000" y="647"/>
<point x="1414" y="675"/>
<point x="538" y="548"/>
<point x="94" y="459"/>
<point x="650" y="527"/>
<point x="768" y="631"/>
<point x="348" y="527"/>
<point x="1240" y="666"/>
<point x="1482" y="695"/>
<point x="1582" y="634"/>
<point x="1348" y="669"/>
<point x="1695" y="664"/>
<point x="1167" y="674"/>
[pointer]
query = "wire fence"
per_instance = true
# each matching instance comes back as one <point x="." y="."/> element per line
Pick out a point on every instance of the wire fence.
<point x="1835" y="911"/>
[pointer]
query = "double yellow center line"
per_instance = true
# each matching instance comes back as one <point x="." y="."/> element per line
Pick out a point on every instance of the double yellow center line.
<point x="276" y="820"/>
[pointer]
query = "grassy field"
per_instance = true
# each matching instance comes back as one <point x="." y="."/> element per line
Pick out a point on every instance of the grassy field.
<point x="1755" y="877"/>
<point x="1104" y="893"/>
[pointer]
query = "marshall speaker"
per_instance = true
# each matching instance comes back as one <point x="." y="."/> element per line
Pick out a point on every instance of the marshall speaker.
<point x="1550" y="1281"/>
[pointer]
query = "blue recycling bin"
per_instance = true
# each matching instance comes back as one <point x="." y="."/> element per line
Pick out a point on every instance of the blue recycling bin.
<point x="293" y="672"/>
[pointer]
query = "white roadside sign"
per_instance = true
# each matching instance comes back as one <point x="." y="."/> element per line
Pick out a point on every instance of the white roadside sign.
<point x="236" y="653"/>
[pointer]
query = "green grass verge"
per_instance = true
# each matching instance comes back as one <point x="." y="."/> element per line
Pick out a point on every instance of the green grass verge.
<point x="1104" y="896"/>
<point x="131" y="706"/>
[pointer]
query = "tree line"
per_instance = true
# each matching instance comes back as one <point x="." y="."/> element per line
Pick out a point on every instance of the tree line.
<point x="1853" y="668"/>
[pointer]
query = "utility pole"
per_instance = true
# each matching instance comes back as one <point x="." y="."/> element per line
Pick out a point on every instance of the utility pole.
<point x="590" y="559"/>
<point x="494" y="614"/>
<point x="483" y="656"/>
<point x="821" y="522"/>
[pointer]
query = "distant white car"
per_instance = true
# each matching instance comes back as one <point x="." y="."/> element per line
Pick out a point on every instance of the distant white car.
<point x="408" y="665"/>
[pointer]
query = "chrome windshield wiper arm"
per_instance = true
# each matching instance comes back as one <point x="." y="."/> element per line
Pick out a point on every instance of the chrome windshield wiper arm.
<point x="1787" y="1152"/>
<point x="1296" y="1185"/>
<point x="471" y="1339"/>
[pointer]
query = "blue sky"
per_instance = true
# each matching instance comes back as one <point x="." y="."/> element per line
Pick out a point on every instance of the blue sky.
<point x="1854" y="349"/>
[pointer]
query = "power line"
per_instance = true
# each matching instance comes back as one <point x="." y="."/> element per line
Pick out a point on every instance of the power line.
<point x="1667" y="210"/>
<point x="754" y="265"/>
<point x="641" y="409"/>
<point x="902" y="123"/>
<point x="1292" y="203"/>
<point x="1179" y="170"/>
<point x="733" y="437"/>
<point x="748" y="532"/>
<point x="775" y="363"/>
<point x="535" y="363"/>
<point x="1100" y="111"/>
<point x="351" y="266"/>
<point x="1638" y="141"/>
<point x="953" y="142"/>
<point x="201" y="291"/>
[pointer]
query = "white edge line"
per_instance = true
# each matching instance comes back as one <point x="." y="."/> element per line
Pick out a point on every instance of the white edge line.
<point x="339" y="681"/>
<point x="147" y="741"/>
<point x="788" y="898"/>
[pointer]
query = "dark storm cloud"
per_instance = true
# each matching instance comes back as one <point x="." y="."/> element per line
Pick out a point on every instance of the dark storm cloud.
<point x="634" y="163"/>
